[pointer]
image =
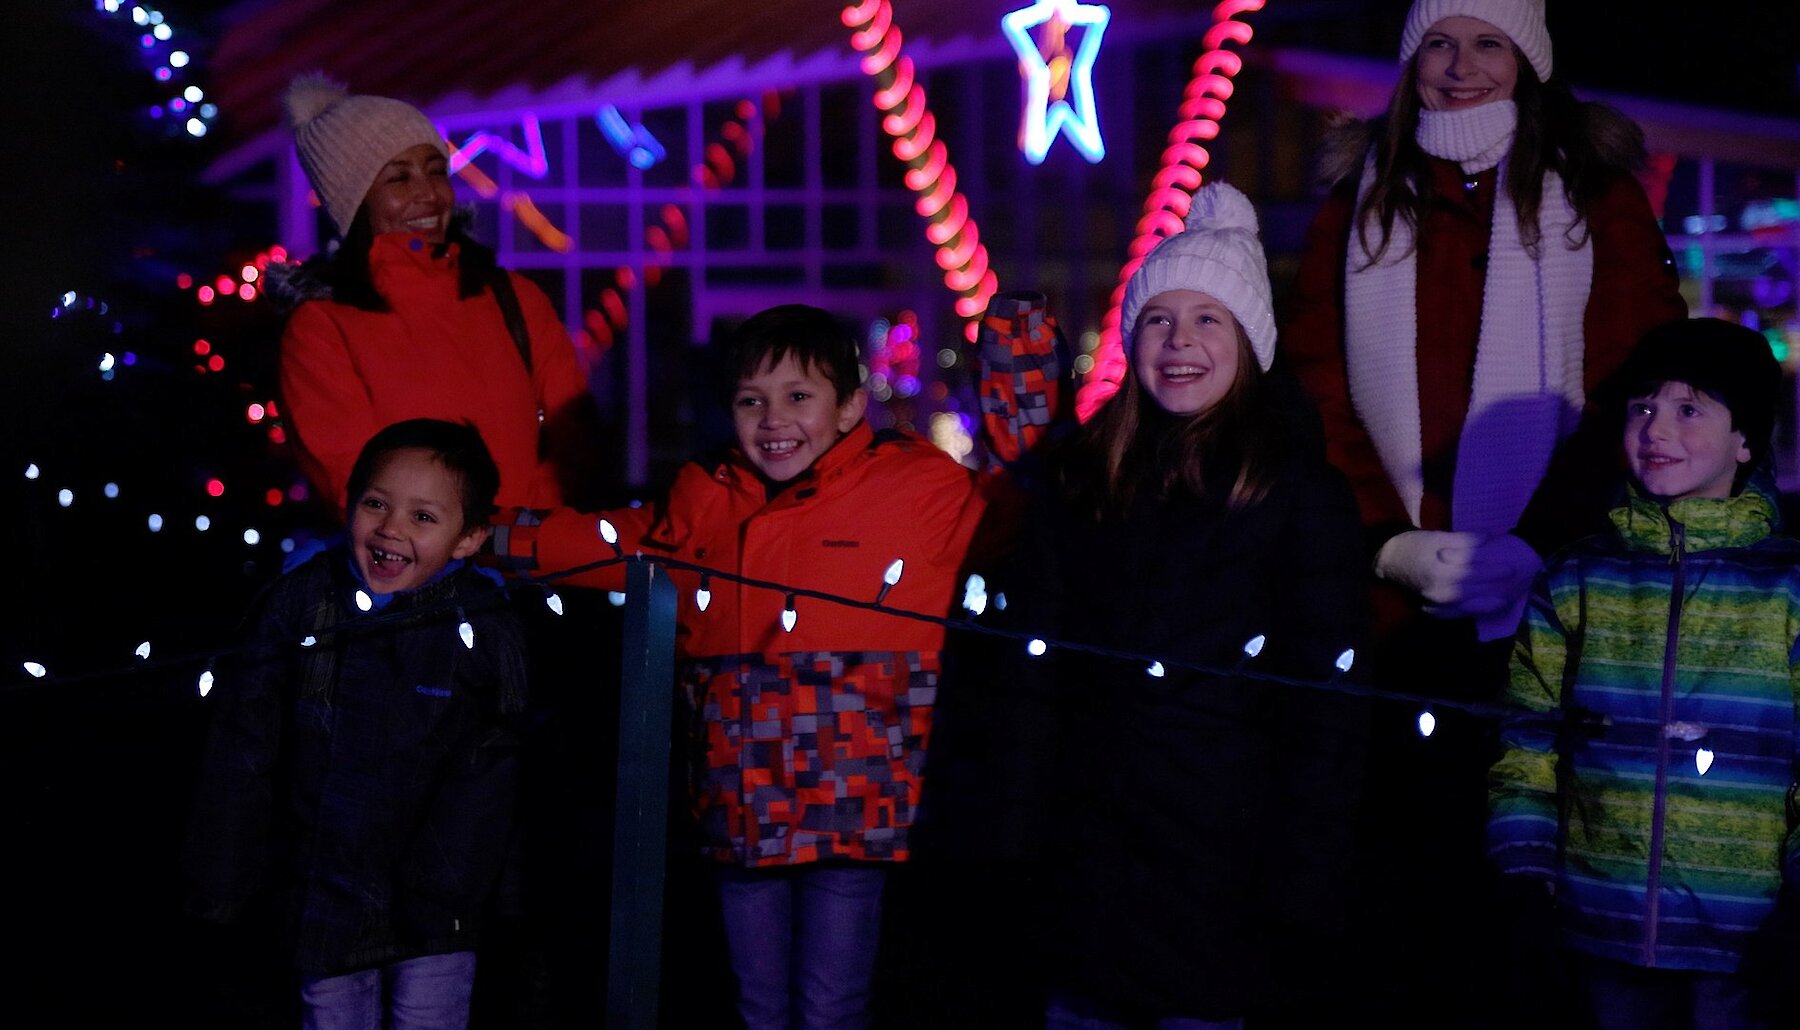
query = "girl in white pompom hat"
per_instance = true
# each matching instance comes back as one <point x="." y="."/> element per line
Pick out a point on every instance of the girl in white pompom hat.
<point x="1195" y="817"/>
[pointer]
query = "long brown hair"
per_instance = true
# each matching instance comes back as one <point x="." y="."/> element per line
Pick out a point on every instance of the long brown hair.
<point x="1132" y="448"/>
<point x="1585" y="143"/>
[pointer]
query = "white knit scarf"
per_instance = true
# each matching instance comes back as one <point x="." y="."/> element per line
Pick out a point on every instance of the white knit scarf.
<point x="1527" y="391"/>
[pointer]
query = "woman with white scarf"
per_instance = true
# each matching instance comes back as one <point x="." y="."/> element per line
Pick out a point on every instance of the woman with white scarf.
<point x="1483" y="261"/>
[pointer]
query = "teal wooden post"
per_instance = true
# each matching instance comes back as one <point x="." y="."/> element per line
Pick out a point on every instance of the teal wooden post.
<point x="640" y="821"/>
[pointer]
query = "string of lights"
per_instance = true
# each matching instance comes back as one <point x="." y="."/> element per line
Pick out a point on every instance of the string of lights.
<point x="929" y="174"/>
<point x="188" y="110"/>
<point x="974" y="604"/>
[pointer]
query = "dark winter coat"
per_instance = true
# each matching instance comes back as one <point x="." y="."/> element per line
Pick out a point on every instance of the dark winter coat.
<point x="1190" y="824"/>
<point x="368" y="776"/>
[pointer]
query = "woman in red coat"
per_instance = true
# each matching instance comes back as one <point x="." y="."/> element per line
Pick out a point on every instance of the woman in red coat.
<point x="1484" y="260"/>
<point x="410" y="318"/>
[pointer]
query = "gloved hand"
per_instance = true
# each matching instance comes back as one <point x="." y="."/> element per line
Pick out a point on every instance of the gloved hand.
<point x="1461" y="575"/>
<point x="1432" y="563"/>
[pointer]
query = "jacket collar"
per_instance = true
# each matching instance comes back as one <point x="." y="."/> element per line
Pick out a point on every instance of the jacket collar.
<point x="1643" y="523"/>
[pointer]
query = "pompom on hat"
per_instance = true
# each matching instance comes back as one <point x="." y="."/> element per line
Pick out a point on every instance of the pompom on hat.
<point x="1521" y="20"/>
<point x="344" y="141"/>
<point x="1219" y="254"/>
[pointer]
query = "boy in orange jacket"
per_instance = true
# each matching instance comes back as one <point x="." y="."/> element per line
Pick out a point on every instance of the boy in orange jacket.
<point x="810" y="728"/>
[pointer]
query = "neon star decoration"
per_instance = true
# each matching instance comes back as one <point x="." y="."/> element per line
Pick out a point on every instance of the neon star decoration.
<point x="1059" y="88"/>
<point x="531" y="161"/>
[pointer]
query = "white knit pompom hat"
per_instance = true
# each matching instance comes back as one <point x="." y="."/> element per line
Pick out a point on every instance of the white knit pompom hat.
<point x="1521" y="20"/>
<point x="1219" y="254"/>
<point x="344" y="141"/>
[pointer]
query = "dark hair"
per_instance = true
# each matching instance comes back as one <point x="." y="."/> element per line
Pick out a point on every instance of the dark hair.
<point x="816" y="338"/>
<point x="1132" y="445"/>
<point x="351" y="282"/>
<point x="457" y="445"/>
<point x="1585" y="143"/>
<point x="1730" y="363"/>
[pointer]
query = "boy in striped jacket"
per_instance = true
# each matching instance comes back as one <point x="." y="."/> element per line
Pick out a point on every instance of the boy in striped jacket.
<point x="1647" y="782"/>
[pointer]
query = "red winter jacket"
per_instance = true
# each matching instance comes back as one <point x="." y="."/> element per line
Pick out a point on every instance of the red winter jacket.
<point x="807" y="744"/>
<point x="1635" y="287"/>
<point x="346" y="373"/>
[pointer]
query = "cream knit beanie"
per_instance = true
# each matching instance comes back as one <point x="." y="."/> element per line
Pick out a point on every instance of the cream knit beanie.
<point x="1218" y="254"/>
<point x="1521" y="20"/>
<point x="344" y="141"/>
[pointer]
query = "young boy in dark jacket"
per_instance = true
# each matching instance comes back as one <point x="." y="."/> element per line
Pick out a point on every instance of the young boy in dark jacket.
<point x="1661" y="824"/>
<point x="360" y="760"/>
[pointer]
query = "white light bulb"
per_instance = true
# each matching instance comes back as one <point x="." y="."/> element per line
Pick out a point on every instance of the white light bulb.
<point x="196" y="127"/>
<point x="789" y="617"/>
<point x="1156" y="669"/>
<point x="616" y="598"/>
<point x="553" y="601"/>
<point x="106" y="362"/>
<point x="162" y="31"/>
<point x="1427" y="724"/>
<point x="206" y="683"/>
<point x="608" y="533"/>
<point x="203" y="523"/>
<point x="252" y="537"/>
<point x="36" y="669"/>
<point x="309" y="640"/>
<point x="31" y="471"/>
<point x="1703" y="760"/>
<point x="143" y="650"/>
<point x="364" y="601"/>
<point x="467" y="633"/>
<point x="1036" y="648"/>
<point x="975" y="594"/>
<point x="111" y="490"/>
<point x="1345" y="659"/>
<point x="155" y="522"/>
<point x="179" y="59"/>
<point x="892" y="575"/>
<point x="702" y="598"/>
<point x="65" y="497"/>
<point x="1254" y="645"/>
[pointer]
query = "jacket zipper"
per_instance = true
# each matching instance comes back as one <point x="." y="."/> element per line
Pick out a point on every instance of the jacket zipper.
<point x="1666" y="711"/>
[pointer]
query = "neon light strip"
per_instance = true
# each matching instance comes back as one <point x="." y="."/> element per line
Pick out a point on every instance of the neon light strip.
<point x="1172" y="189"/>
<point x="532" y="162"/>
<point x="929" y="173"/>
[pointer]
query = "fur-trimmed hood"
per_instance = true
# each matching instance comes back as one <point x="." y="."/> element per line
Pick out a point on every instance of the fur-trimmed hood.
<point x="1617" y="142"/>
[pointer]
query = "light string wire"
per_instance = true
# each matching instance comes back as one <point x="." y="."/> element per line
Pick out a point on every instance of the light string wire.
<point x="500" y="594"/>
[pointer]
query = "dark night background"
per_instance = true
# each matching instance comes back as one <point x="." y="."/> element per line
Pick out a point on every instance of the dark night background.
<point x="96" y="760"/>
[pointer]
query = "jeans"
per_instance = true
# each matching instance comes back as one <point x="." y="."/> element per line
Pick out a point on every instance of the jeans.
<point x="426" y="993"/>
<point x="1627" y="997"/>
<point x="1071" y="1013"/>
<point x="803" y="937"/>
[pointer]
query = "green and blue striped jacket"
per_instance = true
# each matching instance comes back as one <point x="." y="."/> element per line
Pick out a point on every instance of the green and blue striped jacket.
<point x="1662" y="819"/>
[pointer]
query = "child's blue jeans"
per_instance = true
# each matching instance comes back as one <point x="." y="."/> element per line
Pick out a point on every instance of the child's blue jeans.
<point x="802" y="941"/>
<point x="426" y="993"/>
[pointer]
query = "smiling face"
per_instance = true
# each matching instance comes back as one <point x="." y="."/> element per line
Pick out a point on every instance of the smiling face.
<point x="1679" y="443"/>
<point x="408" y="523"/>
<point x="1465" y="62"/>
<point x="787" y="414"/>
<point x="412" y="194"/>
<point x="1186" y="351"/>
